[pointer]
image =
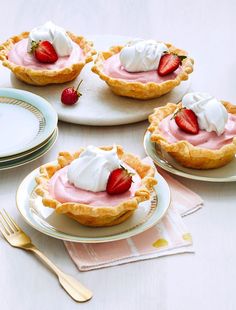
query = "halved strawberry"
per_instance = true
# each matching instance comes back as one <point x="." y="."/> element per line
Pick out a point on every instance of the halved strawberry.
<point x="119" y="181"/>
<point x="169" y="63"/>
<point x="44" y="52"/>
<point x="187" y="121"/>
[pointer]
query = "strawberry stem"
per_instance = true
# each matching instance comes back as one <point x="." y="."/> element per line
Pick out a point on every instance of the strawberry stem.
<point x="129" y="173"/>
<point x="123" y="167"/>
<point x="176" y="112"/>
<point x="182" y="57"/>
<point x="34" y="45"/>
<point x="77" y="88"/>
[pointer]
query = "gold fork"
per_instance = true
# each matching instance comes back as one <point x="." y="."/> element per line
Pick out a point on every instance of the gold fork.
<point x="17" y="238"/>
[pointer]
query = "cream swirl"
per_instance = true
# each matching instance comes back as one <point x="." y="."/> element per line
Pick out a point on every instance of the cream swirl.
<point x="211" y="113"/>
<point x="54" y="34"/>
<point x="142" y="55"/>
<point x="92" y="169"/>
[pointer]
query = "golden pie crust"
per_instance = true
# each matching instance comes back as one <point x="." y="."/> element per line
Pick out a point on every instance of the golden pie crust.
<point x="44" y="77"/>
<point x="184" y="152"/>
<point x="96" y="215"/>
<point x="140" y="90"/>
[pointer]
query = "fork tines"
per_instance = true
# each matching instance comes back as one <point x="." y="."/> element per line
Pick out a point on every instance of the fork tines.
<point x="9" y="226"/>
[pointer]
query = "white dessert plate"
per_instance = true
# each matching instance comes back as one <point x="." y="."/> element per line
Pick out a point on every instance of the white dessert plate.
<point x="168" y="163"/>
<point x="98" y="106"/>
<point x="33" y="156"/>
<point x="26" y="121"/>
<point x="58" y="226"/>
<point x="27" y="153"/>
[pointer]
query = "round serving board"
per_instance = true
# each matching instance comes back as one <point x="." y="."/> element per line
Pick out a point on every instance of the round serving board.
<point x="98" y="106"/>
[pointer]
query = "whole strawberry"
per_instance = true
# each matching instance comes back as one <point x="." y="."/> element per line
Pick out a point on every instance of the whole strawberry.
<point x="187" y="121"/>
<point x="70" y="95"/>
<point x="119" y="181"/>
<point x="169" y="63"/>
<point x="44" y="52"/>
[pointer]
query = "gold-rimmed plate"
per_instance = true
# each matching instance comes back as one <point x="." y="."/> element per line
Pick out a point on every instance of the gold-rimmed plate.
<point x="27" y="120"/>
<point x="58" y="226"/>
<point x="31" y="157"/>
<point x="7" y="159"/>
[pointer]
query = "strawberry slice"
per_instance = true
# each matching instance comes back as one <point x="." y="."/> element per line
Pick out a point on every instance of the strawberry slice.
<point x="169" y="63"/>
<point x="119" y="181"/>
<point x="44" y="52"/>
<point x="187" y="121"/>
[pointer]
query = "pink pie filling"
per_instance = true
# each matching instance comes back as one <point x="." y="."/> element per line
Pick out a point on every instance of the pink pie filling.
<point x="113" y="68"/>
<point x="19" y="56"/>
<point x="204" y="139"/>
<point x="63" y="191"/>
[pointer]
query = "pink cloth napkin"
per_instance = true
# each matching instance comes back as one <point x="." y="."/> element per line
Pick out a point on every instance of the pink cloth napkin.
<point x="170" y="236"/>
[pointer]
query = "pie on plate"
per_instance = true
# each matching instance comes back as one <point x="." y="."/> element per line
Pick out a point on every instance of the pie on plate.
<point x="212" y="145"/>
<point x="77" y="185"/>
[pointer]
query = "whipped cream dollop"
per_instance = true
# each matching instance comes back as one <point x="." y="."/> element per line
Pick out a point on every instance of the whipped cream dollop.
<point x="55" y="35"/>
<point x="211" y="113"/>
<point x="92" y="169"/>
<point x="142" y="55"/>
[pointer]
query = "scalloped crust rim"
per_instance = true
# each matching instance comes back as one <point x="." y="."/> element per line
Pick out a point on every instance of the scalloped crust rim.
<point x="185" y="153"/>
<point x="96" y="215"/>
<point x="44" y="77"/>
<point x="140" y="90"/>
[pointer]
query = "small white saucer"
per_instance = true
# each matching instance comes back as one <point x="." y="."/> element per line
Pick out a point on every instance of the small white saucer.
<point x="166" y="162"/>
<point x="31" y="156"/>
<point x="47" y="221"/>
<point x="26" y="121"/>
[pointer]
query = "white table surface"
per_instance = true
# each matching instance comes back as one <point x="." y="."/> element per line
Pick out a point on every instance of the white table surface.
<point x="204" y="280"/>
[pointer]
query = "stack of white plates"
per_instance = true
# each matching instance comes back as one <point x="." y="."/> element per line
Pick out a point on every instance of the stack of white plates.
<point x="28" y="127"/>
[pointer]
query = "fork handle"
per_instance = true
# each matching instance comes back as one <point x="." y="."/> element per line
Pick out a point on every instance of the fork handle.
<point x="73" y="287"/>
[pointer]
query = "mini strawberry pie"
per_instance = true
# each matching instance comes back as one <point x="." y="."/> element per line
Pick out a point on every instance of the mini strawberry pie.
<point x="46" y="55"/>
<point x="96" y="186"/>
<point x="199" y="133"/>
<point x="143" y="69"/>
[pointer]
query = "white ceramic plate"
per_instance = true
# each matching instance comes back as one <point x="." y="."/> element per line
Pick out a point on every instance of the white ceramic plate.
<point x="58" y="226"/>
<point x="19" y="156"/>
<point x="33" y="156"/>
<point x="26" y="121"/>
<point x="98" y="106"/>
<point x="166" y="162"/>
